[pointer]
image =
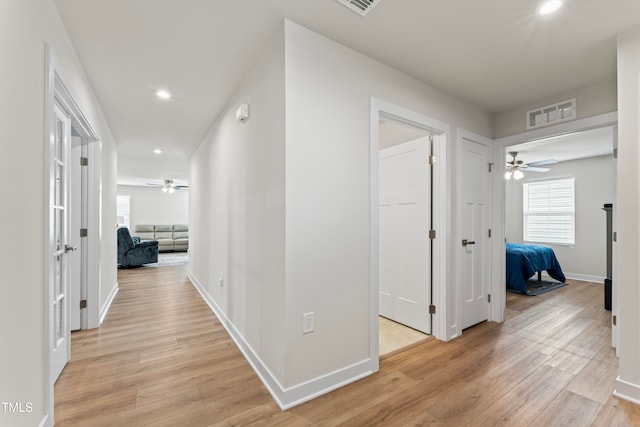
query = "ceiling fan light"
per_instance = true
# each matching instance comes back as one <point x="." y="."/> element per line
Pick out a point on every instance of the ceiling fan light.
<point x="507" y="175"/>
<point x="171" y="190"/>
<point x="165" y="189"/>
<point x="517" y="174"/>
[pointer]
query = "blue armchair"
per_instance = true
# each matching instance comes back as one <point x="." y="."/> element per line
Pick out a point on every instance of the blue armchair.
<point x="134" y="254"/>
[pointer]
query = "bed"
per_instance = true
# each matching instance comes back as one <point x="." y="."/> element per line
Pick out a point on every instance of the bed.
<point x="523" y="261"/>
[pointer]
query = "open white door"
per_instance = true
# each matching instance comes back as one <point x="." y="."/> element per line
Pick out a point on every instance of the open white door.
<point x="404" y="245"/>
<point x="474" y="247"/>
<point x="59" y="243"/>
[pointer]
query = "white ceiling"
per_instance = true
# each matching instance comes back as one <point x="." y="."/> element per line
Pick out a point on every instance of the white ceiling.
<point x="496" y="54"/>
<point x="574" y="146"/>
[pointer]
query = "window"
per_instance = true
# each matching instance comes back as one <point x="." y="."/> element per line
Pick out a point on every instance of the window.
<point x="549" y="211"/>
<point x="123" y="209"/>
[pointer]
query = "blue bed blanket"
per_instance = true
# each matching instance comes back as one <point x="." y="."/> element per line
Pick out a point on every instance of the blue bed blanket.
<point x="523" y="261"/>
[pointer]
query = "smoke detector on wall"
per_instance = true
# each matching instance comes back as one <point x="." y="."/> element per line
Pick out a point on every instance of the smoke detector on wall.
<point x="361" y="7"/>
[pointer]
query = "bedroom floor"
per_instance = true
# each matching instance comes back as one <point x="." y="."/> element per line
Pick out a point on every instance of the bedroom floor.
<point x="161" y="358"/>
<point x="394" y="336"/>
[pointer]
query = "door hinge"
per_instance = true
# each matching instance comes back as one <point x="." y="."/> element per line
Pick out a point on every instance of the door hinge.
<point x="615" y="236"/>
<point x="488" y="298"/>
<point x="615" y="153"/>
<point x="614" y="320"/>
<point x="84" y="161"/>
<point x="432" y="309"/>
<point x="490" y="167"/>
<point x="84" y="232"/>
<point x="432" y="159"/>
<point x="432" y="234"/>
<point x="489" y="233"/>
<point x="83" y="303"/>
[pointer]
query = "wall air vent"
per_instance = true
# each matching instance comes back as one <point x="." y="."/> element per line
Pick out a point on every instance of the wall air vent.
<point x="551" y="114"/>
<point x="361" y="7"/>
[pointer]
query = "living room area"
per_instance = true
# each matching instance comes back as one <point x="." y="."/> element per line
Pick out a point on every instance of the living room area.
<point x="153" y="213"/>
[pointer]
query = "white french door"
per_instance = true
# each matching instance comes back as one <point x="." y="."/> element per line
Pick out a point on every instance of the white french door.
<point x="404" y="245"/>
<point x="59" y="243"/>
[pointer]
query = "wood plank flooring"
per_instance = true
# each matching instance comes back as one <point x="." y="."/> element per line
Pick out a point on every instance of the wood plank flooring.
<point x="161" y="358"/>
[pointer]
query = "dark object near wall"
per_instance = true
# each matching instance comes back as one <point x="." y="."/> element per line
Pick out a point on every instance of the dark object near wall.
<point x="132" y="254"/>
<point x="608" y="208"/>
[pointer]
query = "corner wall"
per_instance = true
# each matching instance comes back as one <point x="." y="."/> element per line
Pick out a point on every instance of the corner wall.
<point x="628" y="248"/>
<point x="328" y="185"/>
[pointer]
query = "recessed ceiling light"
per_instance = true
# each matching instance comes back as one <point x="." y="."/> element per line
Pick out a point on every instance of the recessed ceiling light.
<point x="157" y="151"/>
<point x="549" y="7"/>
<point x="163" y="94"/>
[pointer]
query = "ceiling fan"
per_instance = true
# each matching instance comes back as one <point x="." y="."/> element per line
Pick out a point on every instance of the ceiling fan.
<point x="515" y="167"/>
<point x="169" y="186"/>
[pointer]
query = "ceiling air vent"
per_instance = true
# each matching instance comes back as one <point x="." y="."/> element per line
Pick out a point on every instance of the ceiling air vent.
<point x="361" y="7"/>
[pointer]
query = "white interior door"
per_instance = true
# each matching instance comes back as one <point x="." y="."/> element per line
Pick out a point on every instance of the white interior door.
<point x="60" y="244"/>
<point x="404" y="245"/>
<point x="474" y="245"/>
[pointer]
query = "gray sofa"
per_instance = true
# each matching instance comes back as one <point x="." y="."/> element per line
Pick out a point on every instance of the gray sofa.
<point x="173" y="237"/>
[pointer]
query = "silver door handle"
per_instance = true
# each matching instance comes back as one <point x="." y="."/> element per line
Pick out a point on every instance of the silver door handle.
<point x="69" y="248"/>
<point x="466" y="242"/>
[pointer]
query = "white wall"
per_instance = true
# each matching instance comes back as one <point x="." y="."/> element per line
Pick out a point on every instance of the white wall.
<point x="149" y="205"/>
<point x="594" y="186"/>
<point x="26" y="26"/>
<point x="628" y="248"/>
<point x="592" y="100"/>
<point x="237" y="210"/>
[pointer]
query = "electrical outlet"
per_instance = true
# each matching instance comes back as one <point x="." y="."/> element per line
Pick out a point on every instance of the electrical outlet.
<point x="307" y="322"/>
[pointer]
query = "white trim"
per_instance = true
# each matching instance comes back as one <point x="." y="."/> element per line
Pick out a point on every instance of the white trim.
<point x="627" y="391"/>
<point x="440" y="325"/>
<point x="44" y="422"/>
<point x="285" y="397"/>
<point x="107" y="304"/>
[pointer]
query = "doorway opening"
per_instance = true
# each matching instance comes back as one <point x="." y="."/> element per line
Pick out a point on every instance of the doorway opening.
<point x="399" y="137"/>
<point x="405" y="202"/>
<point x="68" y="203"/>
<point x="594" y="172"/>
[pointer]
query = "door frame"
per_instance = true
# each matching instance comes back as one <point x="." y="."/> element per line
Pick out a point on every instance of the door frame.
<point x="56" y="90"/>
<point x="494" y="276"/>
<point x="499" y="188"/>
<point x="442" y="294"/>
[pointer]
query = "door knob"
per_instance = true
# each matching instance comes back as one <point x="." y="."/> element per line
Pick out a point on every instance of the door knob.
<point x="69" y="248"/>
<point x="466" y="242"/>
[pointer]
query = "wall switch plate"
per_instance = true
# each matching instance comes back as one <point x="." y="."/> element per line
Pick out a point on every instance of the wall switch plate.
<point x="307" y="322"/>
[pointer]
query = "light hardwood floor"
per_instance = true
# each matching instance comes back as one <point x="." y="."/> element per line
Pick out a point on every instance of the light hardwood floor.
<point x="161" y="358"/>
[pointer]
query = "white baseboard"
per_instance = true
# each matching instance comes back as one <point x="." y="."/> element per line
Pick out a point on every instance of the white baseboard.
<point x="107" y="304"/>
<point x="45" y="422"/>
<point x="580" y="277"/>
<point x="627" y="391"/>
<point x="584" y="277"/>
<point x="286" y="397"/>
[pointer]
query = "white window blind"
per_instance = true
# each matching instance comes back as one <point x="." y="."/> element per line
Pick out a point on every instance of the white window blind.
<point x="549" y="211"/>
<point x="123" y="206"/>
